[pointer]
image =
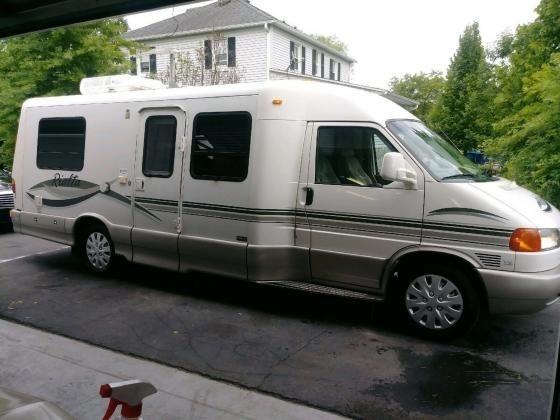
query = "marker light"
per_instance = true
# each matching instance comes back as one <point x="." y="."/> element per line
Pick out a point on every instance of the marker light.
<point x="534" y="240"/>
<point x="525" y="240"/>
<point x="277" y="102"/>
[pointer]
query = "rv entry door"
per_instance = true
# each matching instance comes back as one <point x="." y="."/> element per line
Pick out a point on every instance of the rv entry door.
<point x="160" y="153"/>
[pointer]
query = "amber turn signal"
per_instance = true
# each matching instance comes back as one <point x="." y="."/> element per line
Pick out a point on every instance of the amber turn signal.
<point x="277" y="102"/>
<point x="525" y="240"/>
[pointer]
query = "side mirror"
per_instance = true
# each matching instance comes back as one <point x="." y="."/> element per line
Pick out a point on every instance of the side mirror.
<point x="396" y="168"/>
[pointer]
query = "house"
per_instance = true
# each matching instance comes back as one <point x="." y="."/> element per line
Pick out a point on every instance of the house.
<point x="233" y="41"/>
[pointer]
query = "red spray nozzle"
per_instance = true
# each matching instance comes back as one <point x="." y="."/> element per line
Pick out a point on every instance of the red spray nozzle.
<point x="129" y="394"/>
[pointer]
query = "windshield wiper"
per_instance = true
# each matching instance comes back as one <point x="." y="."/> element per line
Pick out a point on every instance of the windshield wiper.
<point x="458" y="176"/>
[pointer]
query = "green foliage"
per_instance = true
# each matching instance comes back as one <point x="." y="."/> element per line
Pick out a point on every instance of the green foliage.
<point x="426" y="88"/>
<point x="332" y="41"/>
<point x="531" y="143"/>
<point x="527" y="131"/>
<point x="53" y="63"/>
<point x="463" y="112"/>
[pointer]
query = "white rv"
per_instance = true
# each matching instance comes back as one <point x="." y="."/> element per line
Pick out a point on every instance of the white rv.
<point x="294" y="184"/>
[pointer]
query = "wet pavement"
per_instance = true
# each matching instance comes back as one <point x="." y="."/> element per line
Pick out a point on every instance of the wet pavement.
<point x="340" y="355"/>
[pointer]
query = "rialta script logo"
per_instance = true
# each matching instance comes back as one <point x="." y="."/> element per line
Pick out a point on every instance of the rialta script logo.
<point x="60" y="181"/>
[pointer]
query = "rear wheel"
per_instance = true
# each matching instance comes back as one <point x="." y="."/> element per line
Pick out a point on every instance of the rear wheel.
<point x="96" y="248"/>
<point x="438" y="302"/>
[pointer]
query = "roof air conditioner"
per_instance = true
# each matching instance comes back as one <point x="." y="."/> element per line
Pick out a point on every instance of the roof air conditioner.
<point x="117" y="83"/>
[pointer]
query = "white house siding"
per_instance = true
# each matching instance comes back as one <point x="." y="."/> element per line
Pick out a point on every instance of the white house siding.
<point x="250" y="45"/>
<point x="280" y="56"/>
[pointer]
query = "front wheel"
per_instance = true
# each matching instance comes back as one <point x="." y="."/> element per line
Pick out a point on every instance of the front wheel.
<point x="438" y="302"/>
<point x="96" y="249"/>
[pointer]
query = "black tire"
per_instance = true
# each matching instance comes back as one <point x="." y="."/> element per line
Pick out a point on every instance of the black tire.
<point x="437" y="302"/>
<point x="95" y="248"/>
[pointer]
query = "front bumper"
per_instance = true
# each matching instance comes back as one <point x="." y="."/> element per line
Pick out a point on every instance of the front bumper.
<point x="520" y="293"/>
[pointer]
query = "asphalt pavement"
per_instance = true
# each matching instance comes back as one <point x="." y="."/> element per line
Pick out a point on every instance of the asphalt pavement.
<point x="339" y="355"/>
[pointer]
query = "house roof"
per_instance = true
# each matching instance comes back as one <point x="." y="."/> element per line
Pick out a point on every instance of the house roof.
<point x="222" y="14"/>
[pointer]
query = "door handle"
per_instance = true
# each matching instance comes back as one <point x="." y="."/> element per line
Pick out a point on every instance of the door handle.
<point x="139" y="184"/>
<point x="309" y="196"/>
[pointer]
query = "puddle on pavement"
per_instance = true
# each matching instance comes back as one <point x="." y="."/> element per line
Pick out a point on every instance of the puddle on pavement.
<point x="443" y="381"/>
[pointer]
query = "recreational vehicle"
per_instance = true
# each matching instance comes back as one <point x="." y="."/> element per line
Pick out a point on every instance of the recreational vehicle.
<point x="293" y="184"/>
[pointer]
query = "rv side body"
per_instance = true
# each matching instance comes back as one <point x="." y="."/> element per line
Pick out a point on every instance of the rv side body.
<point x="282" y="220"/>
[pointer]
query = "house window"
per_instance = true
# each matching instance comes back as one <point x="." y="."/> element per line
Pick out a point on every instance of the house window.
<point x="159" y="146"/>
<point x="331" y="69"/>
<point x="302" y="60"/>
<point x="220" y="146"/>
<point x="148" y="64"/>
<point x="61" y="143"/>
<point x="221" y="52"/>
<point x="350" y="156"/>
<point x="322" y="65"/>
<point x="314" y="62"/>
<point x="338" y="73"/>
<point x="293" y="56"/>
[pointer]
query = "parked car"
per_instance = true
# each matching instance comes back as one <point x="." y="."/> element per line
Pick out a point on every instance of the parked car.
<point x="6" y="204"/>
<point x="292" y="184"/>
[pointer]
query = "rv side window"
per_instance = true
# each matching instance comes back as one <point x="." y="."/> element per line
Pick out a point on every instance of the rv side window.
<point x="61" y="143"/>
<point x="350" y="156"/>
<point x="220" y="147"/>
<point x="159" y="146"/>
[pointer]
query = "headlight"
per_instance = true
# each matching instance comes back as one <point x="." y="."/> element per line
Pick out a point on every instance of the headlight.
<point x="550" y="238"/>
<point x="534" y="240"/>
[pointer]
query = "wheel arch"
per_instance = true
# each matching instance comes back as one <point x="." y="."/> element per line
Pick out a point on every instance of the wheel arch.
<point x="85" y="220"/>
<point x="436" y="255"/>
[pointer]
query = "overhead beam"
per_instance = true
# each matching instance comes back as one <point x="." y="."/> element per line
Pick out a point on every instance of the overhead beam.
<point x="18" y="17"/>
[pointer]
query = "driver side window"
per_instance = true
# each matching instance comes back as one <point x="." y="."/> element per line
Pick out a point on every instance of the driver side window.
<point x="350" y="156"/>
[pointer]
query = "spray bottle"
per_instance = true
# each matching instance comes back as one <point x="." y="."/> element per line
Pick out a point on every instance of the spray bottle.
<point x="129" y="394"/>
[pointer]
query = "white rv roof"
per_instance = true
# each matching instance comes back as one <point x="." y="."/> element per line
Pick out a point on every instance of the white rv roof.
<point x="301" y="100"/>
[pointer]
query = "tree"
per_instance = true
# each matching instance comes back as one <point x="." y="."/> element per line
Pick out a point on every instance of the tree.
<point x="528" y="128"/>
<point x="53" y="63"/>
<point x="426" y="88"/>
<point x="331" y="41"/>
<point x="464" y="110"/>
<point x="531" y="140"/>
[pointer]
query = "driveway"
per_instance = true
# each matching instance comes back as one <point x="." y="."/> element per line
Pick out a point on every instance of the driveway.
<point x="341" y="355"/>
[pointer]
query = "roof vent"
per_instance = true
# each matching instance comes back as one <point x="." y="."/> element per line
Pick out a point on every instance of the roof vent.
<point x="117" y="83"/>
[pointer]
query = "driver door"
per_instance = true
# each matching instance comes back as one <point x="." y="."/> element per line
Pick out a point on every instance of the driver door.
<point x="357" y="220"/>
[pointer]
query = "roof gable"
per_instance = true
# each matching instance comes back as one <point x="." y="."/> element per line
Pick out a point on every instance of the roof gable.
<point x="215" y="15"/>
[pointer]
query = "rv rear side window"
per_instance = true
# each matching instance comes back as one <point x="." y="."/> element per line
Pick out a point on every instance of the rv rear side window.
<point x="61" y="143"/>
<point x="220" y="147"/>
<point x="159" y="146"/>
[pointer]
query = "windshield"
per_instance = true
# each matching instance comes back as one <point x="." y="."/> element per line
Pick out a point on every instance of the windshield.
<point x="443" y="160"/>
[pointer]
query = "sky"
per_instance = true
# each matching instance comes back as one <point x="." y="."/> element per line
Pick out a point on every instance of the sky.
<point x="389" y="38"/>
